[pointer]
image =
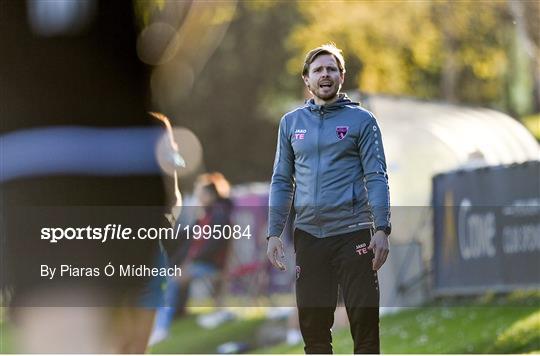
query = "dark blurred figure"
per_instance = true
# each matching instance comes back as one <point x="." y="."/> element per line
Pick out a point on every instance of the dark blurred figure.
<point x="201" y="257"/>
<point x="73" y="64"/>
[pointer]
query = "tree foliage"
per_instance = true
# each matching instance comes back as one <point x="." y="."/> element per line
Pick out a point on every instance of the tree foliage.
<point x="232" y="106"/>
<point x="453" y="50"/>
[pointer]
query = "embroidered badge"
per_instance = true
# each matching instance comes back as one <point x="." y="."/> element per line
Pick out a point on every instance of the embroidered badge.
<point x="341" y="131"/>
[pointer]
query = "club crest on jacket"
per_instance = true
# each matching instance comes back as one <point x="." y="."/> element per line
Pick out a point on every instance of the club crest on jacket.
<point x="341" y="131"/>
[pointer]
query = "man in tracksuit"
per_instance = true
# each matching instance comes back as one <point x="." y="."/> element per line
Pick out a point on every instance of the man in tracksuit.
<point x="330" y="162"/>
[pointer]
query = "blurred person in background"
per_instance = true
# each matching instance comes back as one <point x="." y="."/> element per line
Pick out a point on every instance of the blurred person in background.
<point x="330" y="158"/>
<point x="200" y="257"/>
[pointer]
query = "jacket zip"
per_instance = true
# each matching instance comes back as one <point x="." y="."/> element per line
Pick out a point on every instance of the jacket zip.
<point x="317" y="188"/>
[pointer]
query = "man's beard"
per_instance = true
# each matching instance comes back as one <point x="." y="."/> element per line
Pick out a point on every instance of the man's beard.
<point x="328" y="96"/>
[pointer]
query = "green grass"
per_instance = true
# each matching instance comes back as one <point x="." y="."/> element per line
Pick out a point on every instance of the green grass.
<point x="187" y="337"/>
<point x="488" y="326"/>
<point x="522" y="336"/>
<point x="6" y="346"/>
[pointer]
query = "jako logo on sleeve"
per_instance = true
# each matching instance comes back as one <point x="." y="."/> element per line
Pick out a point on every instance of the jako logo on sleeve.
<point x="300" y="134"/>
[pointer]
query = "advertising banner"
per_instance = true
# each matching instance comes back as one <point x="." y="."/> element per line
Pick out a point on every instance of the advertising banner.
<point x="487" y="229"/>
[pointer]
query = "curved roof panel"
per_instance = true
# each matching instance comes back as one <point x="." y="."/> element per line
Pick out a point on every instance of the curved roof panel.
<point x="422" y="139"/>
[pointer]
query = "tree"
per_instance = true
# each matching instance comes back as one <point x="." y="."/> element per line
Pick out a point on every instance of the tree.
<point x="456" y="51"/>
<point x="231" y="96"/>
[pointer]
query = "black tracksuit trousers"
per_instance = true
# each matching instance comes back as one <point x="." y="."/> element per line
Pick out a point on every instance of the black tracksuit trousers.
<point x="321" y="265"/>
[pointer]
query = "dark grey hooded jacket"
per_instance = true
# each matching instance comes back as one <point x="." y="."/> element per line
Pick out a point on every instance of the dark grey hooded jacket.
<point x="330" y="161"/>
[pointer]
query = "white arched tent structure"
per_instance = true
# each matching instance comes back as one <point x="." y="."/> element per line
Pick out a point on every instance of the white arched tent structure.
<point x="422" y="139"/>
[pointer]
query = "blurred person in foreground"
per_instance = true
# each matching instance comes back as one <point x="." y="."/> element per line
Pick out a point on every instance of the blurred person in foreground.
<point x="200" y="257"/>
<point x="330" y="161"/>
<point x="78" y="150"/>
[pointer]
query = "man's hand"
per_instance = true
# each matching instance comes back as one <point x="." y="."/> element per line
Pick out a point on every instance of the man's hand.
<point x="275" y="252"/>
<point x="379" y="245"/>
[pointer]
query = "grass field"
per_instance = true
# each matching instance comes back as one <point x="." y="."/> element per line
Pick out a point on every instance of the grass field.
<point x="488" y="325"/>
<point x="475" y="329"/>
<point x="188" y="337"/>
<point x="491" y="324"/>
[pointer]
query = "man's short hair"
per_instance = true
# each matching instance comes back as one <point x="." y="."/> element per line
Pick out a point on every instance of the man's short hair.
<point x="329" y="48"/>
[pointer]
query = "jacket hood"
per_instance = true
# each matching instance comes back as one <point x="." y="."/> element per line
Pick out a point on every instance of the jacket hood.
<point x="342" y="101"/>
